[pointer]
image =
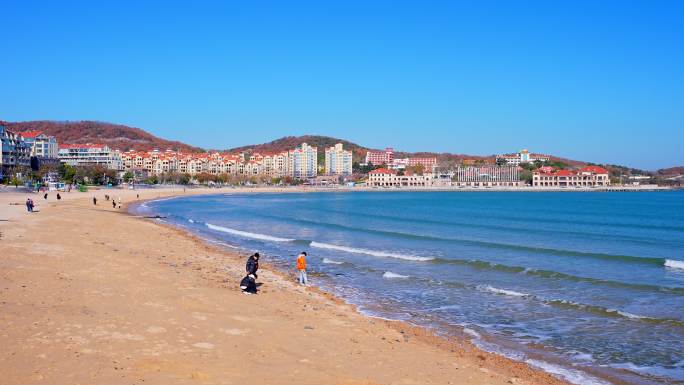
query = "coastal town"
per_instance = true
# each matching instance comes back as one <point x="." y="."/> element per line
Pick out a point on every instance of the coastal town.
<point x="23" y="152"/>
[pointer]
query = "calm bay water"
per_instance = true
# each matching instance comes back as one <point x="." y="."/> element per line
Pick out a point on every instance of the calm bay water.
<point x="588" y="286"/>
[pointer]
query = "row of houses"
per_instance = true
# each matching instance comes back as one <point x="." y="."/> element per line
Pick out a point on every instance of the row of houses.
<point x="298" y="163"/>
<point x="490" y="176"/>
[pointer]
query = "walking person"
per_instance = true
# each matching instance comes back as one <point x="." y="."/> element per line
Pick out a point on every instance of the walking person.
<point x="301" y="266"/>
<point x="113" y="204"/>
<point x="29" y="205"/>
<point x="253" y="265"/>
<point x="45" y="196"/>
<point x="95" y="201"/>
<point x="119" y="202"/>
<point x="59" y="197"/>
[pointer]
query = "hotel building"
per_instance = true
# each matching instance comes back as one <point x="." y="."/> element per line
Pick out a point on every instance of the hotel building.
<point x="589" y="176"/>
<point x="523" y="156"/>
<point x="338" y="161"/>
<point x="15" y="152"/>
<point x="383" y="177"/>
<point x="380" y="157"/>
<point x="90" y="154"/>
<point x="486" y="176"/>
<point x="303" y="162"/>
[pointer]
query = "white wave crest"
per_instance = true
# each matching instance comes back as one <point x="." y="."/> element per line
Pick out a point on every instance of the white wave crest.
<point x="674" y="264"/>
<point x="390" y="275"/>
<point x="370" y="252"/>
<point x="570" y="375"/>
<point x="331" y="261"/>
<point x="191" y="221"/>
<point x="511" y="293"/>
<point x="471" y="332"/>
<point x="246" y="234"/>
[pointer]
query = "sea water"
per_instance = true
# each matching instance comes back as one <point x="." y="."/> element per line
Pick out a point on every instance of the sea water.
<point x="586" y="285"/>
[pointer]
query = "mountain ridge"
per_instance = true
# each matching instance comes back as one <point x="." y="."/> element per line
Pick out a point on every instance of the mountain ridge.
<point x="122" y="137"/>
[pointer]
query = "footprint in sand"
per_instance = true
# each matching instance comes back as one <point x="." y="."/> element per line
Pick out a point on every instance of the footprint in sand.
<point x="204" y="345"/>
<point x="156" y="329"/>
<point x="234" y="332"/>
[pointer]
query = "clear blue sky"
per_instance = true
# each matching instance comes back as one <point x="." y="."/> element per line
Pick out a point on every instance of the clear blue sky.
<point x="598" y="80"/>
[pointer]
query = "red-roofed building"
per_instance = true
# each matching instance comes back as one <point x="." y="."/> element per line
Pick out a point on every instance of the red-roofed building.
<point x="42" y="146"/>
<point x="380" y="157"/>
<point x="590" y="176"/>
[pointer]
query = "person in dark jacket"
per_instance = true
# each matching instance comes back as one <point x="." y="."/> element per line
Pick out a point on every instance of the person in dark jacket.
<point x="253" y="264"/>
<point x="248" y="284"/>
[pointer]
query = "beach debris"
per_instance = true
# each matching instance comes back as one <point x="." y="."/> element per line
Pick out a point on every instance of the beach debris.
<point x="308" y="327"/>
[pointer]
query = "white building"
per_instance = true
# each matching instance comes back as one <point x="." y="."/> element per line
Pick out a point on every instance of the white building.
<point x="523" y="156"/>
<point x="303" y="162"/>
<point x="383" y="177"/>
<point x="90" y="154"/>
<point x="486" y="176"/>
<point x="42" y="145"/>
<point x="338" y="161"/>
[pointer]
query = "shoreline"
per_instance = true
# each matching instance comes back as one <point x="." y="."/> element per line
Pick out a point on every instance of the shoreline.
<point x="476" y="365"/>
<point x="459" y="334"/>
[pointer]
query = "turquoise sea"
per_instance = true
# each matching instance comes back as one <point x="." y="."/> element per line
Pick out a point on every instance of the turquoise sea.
<point x="586" y="285"/>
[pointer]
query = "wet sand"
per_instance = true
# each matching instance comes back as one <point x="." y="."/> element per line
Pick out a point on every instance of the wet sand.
<point x="92" y="295"/>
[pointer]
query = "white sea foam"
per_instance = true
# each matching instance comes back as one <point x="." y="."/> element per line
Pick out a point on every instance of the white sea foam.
<point x="471" y="332"/>
<point x="570" y="375"/>
<point x="191" y="221"/>
<point x="370" y="252"/>
<point x="246" y="234"/>
<point x="511" y="293"/>
<point x="390" y="275"/>
<point x="674" y="264"/>
<point x="331" y="261"/>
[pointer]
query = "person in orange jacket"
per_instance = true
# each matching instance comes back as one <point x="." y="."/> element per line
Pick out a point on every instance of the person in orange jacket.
<point x="301" y="266"/>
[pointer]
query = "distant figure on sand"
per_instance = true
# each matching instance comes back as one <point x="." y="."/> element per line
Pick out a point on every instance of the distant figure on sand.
<point x="29" y="205"/>
<point x="113" y="204"/>
<point x="253" y="265"/>
<point x="248" y="284"/>
<point x="45" y="196"/>
<point x="59" y="197"/>
<point x="95" y="200"/>
<point x="301" y="266"/>
<point x="119" y="202"/>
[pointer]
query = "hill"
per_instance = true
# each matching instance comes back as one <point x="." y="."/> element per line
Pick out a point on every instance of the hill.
<point x="113" y="135"/>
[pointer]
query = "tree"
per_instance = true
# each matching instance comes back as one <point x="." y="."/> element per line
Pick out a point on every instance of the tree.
<point x="128" y="177"/>
<point x="501" y="162"/>
<point x="66" y="172"/>
<point x="526" y="176"/>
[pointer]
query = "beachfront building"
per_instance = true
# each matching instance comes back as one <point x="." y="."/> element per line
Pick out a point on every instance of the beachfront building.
<point x="42" y="145"/>
<point x="380" y="157"/>
<point x="274" y="164"/>
<point x="338" y="161"/>
<point x="384" y="177"/>
<point x="15" y="152"/>
<point x="523" y="156"/>
<point x="589" y="176"/>
<point x="90" y="154"/>
<point x="486" y="176"/>
<point x="303" y="162"/>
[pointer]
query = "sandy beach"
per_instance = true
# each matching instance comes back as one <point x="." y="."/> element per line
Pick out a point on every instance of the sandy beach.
<point x="92" y="295"/>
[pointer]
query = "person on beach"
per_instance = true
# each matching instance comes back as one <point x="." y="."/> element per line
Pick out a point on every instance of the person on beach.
<point x="253" y="265"/>
<point x="113" y="204"/>
<point x="119" y="202"/>
<point x="29" y="205"/>
<point x="45" y="196"/>
<point x="59" y="197"/>
<point x="95" y="201"/>
<point x="248" y="284"/>
<point x="301" y="266"/>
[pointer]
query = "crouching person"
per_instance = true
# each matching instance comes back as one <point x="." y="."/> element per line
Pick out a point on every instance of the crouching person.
<point x="248" y="284"/>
